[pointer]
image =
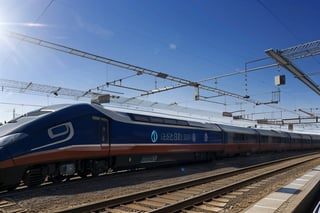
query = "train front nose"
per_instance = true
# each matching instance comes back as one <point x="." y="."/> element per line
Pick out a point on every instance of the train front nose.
<point x="9" y="174"/>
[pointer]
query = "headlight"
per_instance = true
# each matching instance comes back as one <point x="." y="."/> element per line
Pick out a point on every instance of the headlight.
<point x="11" y="138"/>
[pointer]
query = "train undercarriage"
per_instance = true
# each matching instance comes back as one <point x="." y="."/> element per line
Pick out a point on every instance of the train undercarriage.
<point x="56" y="172"/>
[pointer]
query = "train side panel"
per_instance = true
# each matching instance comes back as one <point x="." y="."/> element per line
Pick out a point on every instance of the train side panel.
<point x="239" y="140"/>
<point x="158" y="143"/>
<point x="83" y="139"/>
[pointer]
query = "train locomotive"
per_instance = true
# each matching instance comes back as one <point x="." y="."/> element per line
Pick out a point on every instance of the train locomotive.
<point x="60" y="141"/>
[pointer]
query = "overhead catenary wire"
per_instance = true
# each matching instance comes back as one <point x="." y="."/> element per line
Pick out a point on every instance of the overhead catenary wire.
<point x="139" y="70"/>
<point x="124" y="65"/>
<point x="35" y="21"/>
<point x="277" y="18"/>
<point x="44" y="11"/>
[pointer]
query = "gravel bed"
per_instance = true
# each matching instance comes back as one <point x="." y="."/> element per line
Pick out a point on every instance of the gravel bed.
<point x="74" y="193"/>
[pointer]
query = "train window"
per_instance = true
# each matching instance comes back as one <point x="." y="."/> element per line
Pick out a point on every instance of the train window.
<point x="276" y="140"/>
<point x="182" y="123"/>
<point x="156" y="120"/>
<point x="170" y="121"/>
<point x="251" y="138"/>
<point x="238" y="137"/>
<point x="242" y="138"/>
<point x="142" y="118"/>
<point x="264" y="139"/>
<point x="306" y="139"/>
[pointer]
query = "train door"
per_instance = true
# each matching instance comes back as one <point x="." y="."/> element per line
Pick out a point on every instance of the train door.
<point x="101" y="163"/>
<point x="104" y="134"/>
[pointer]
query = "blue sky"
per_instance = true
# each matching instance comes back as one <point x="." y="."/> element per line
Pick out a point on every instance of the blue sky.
<point x="194" y="40"/>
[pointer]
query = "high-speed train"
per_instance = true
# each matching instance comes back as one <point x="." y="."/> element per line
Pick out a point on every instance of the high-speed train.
<point x="60" y="141"/>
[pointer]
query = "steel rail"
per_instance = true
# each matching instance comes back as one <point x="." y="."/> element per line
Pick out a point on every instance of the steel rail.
<point x="223" y="190"/>
<point x="162" y="190"/>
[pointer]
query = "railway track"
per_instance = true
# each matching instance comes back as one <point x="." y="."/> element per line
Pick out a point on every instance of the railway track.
<point x="7" y="206"/>
<point x="207" y="194"/>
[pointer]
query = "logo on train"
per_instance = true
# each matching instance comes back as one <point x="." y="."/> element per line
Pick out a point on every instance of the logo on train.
<point x="154" y="136"/>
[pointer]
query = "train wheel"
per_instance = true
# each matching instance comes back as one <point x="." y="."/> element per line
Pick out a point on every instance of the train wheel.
<point x="33" y="177"/>
<point x="84" y="174"/>
<point x="12" y="187"/>
<point x="95" y="173"/>
<point x="59" y="178"/>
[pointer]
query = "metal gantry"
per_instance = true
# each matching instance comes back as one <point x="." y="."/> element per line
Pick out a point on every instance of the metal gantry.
<point x="34" y="88"/>
<point x="302" y="50"/>
<point x="180" y="82"/>
<point x="284" y="58"/>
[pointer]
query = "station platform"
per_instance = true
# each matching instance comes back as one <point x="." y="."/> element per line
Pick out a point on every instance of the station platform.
<point x="297" y="196"/>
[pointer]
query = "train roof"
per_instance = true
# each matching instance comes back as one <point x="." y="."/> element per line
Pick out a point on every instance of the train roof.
<point x="237" y="129"/>
<point x="282" y="133"/>
<point x="129" y="117"/>
<point x="28" y="117"/>
<point x="152" y="118"/>
<point x="272" y="133"/>
<point x="115" y="115"/>
<point x="295" y="135"/>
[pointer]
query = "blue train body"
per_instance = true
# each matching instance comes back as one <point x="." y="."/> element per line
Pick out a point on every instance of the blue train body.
<point x="63" y="140"/>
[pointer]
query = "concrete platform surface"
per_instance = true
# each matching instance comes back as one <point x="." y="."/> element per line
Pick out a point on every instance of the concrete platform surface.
<point x="289" y="197"/>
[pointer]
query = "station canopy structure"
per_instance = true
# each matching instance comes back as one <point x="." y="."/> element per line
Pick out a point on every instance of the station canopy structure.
<point x="283" y="58"/>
